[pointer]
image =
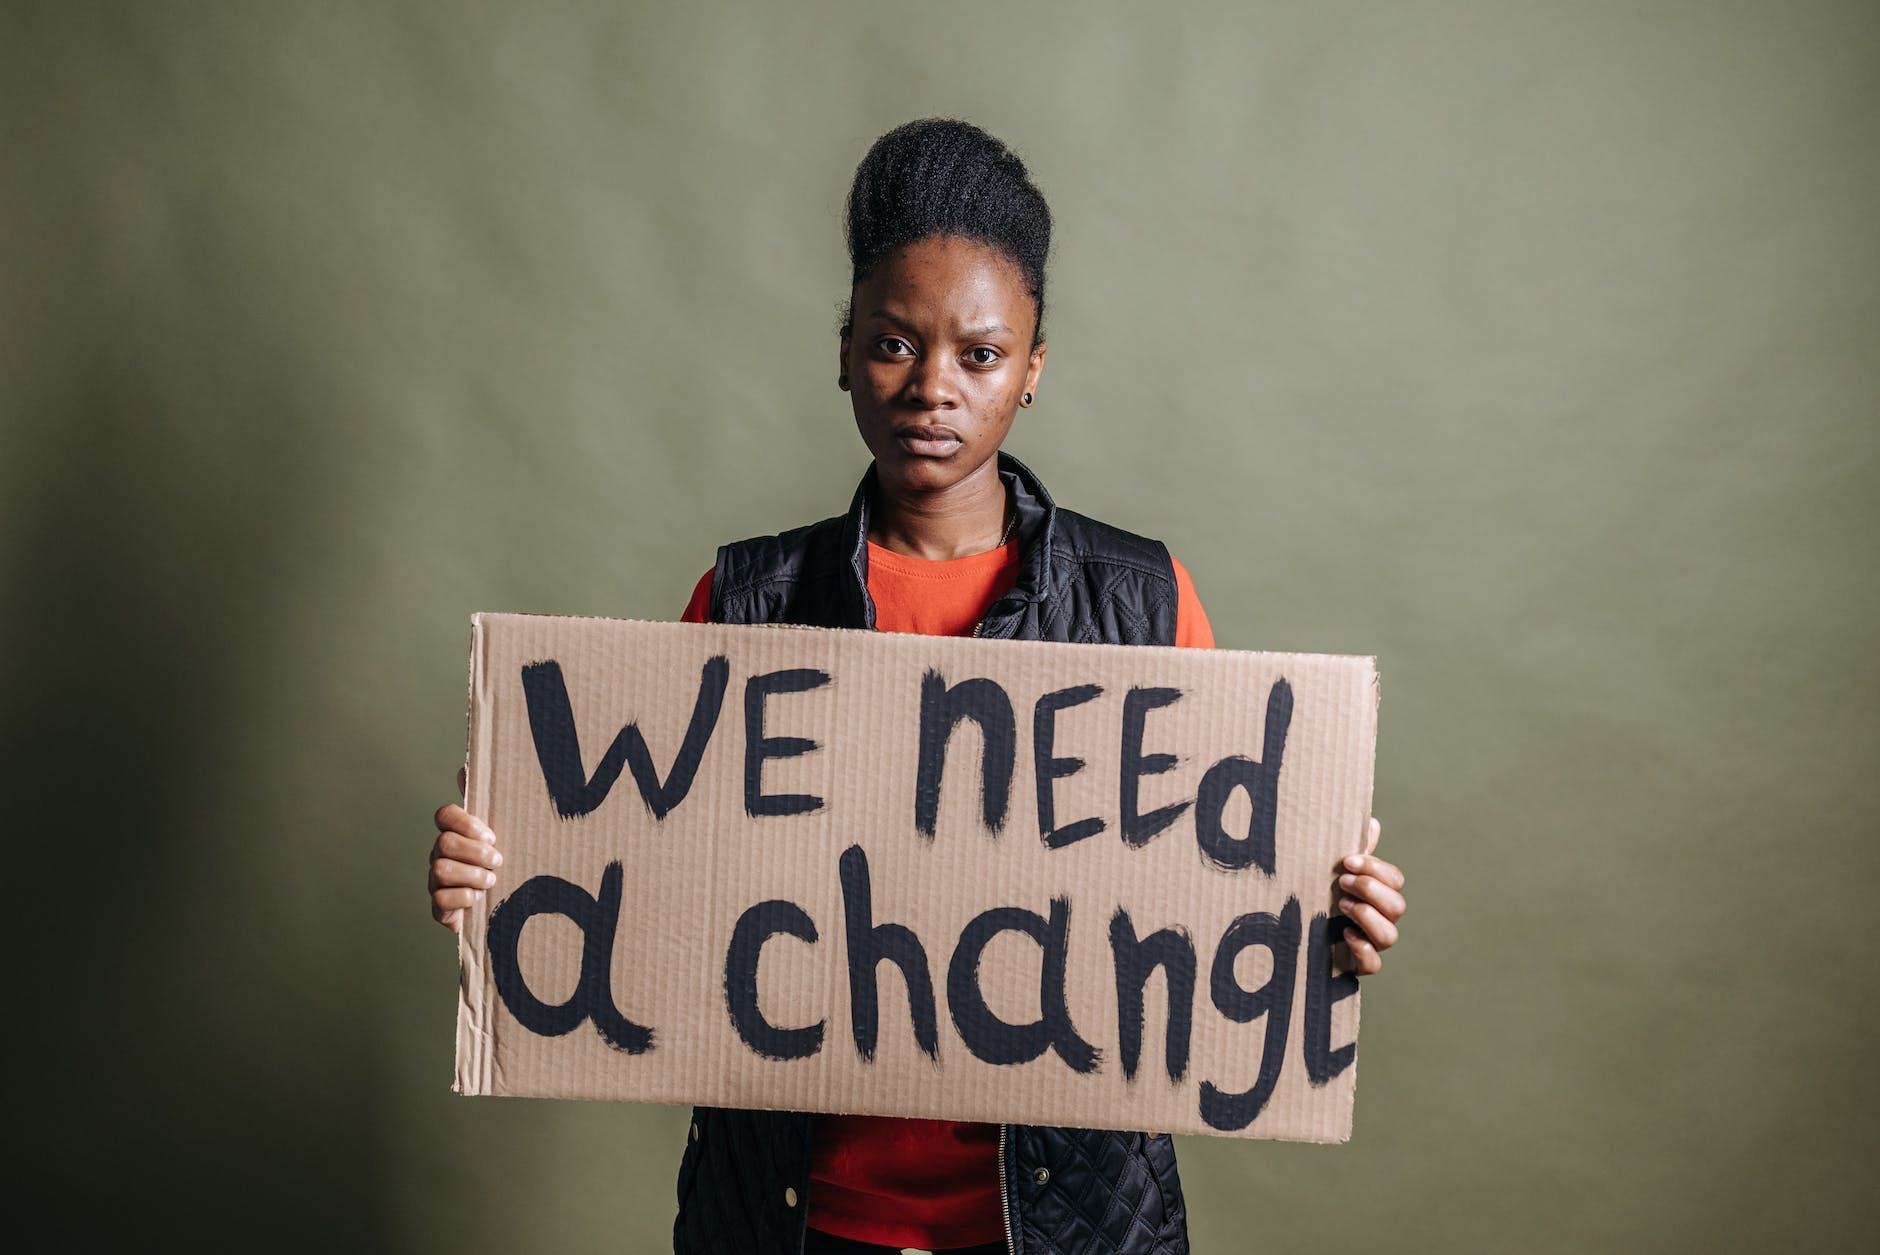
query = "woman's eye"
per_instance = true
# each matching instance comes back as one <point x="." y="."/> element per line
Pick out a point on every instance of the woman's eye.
<point x="983" y="356"/>
<point x="893" y="346"/>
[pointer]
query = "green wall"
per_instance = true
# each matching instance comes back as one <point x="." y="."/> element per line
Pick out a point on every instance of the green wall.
<point x="1529" y="347"/>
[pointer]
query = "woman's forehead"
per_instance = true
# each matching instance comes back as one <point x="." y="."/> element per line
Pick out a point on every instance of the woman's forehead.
<point x="946" y="279"/>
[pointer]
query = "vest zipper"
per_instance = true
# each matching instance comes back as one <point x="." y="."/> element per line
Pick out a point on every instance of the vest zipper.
<point x="1005" y="1202"/>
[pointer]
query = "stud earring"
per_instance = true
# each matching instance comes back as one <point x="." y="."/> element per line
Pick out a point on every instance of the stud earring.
<point x="1025" y="401"/>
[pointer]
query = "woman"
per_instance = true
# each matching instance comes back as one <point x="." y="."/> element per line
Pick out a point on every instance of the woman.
<point x="943" y="345"/>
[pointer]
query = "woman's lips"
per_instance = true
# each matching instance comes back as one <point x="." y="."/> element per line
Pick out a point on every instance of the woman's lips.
<point x="929" y="442"/>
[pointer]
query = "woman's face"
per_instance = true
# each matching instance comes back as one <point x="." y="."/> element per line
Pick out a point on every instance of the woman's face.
<point x="938" y="354"/>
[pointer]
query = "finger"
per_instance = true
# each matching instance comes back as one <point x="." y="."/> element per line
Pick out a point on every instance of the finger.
<point x="1342" y="961"/>
<point x="1376" y="892"/>
<point x="449" y="872"/>
<point x="454" y="900"/>
<point x="463" y="849"/>
<point x="1365" y="960"/>
<point x="1379" y="931"/>
<point x="452" y="920"/>
<point x="1373" y="831"/>
<point x="1375" y="867"/>
<point x="453" y="818"/>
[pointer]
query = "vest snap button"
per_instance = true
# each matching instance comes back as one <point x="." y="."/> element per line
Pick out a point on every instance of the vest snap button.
<point x="1042" y="1176"/>
<point x="789" y="1196"/>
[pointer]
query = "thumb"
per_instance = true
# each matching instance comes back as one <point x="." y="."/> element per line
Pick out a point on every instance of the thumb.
<point x="1373" y="831"/>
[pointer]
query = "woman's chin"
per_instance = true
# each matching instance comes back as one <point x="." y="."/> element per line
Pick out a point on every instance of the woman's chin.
<point x="916" y="477"/>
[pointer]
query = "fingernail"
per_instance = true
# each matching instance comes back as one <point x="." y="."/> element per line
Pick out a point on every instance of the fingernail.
<point x="489" y="878"/>
<point x="1346" y="906"/>
<point x="484" y="833"/>
<point x="1354" y="861"/>
<point x="496" y="858"/>
<point x="1348" y="881"/>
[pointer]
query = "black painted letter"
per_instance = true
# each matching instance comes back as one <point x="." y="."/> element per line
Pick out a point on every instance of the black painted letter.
<point x="941" y="708"/>
<point x="1137" y="703"/>
<point x="593" y="998"/>
<point x="1043" y="729"/>
<point x="1170" y="950"/>
<point x="754" y="928"/>
<point x="758" y="747"/>
<point x="1323" y="990"/>
<point x="869" y="943"/>
<point x="1260" y="780"/>
<point x="984" y="1033"/>
<point x="558" y="748"/>
<point x="1279" y="934"/>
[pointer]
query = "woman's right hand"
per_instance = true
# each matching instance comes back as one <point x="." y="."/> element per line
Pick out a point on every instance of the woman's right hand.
<point x="464" y="859"/>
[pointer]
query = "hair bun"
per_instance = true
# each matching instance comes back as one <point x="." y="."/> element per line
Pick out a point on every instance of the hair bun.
<point x="942" y="176"/>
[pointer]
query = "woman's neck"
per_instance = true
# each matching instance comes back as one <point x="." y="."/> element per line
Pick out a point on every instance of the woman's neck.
<point x="968" y="518"/>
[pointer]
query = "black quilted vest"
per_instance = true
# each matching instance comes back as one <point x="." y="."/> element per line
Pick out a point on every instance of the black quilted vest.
<point x="744" y="1182"/>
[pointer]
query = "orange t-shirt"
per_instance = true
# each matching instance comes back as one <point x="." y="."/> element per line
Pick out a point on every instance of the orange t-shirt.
<point x="947" y="598"/>
<point x="926" y="1183"/>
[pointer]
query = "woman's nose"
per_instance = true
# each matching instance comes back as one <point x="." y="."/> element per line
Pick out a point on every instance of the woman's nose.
<point x="930" y="384"/>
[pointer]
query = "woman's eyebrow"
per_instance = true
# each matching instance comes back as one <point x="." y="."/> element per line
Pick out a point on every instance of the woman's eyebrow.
<point x="965" y="333"/>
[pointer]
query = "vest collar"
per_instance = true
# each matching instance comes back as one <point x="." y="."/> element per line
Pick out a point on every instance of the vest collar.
<point x="1036" y="531"/>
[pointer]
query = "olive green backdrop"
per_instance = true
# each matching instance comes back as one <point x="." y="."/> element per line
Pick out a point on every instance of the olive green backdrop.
<point x="1529" y="347"/>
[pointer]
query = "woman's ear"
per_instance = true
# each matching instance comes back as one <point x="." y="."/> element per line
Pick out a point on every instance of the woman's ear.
<point x="842" y="359"/>
<point x="1034" y="369"/>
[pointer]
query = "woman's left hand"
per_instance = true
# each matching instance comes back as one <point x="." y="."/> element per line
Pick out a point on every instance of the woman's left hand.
<point x="1370" y="895"/>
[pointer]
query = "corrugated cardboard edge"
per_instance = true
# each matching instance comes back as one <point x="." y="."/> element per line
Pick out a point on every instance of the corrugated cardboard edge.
<point x="474" y="1031"/>
<point x="1370" y="809"/>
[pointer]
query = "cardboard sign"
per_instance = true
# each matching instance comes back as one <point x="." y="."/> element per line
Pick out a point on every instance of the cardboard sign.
<point x="885" y="874"/>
